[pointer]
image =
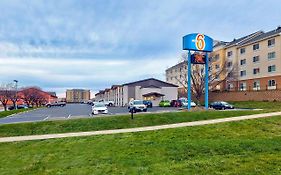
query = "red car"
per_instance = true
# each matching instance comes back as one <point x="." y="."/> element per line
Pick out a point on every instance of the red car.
<point x="176" y="103"/>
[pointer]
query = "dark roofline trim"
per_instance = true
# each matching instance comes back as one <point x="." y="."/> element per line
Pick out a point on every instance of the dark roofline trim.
<point x="127" y="84"/>
<point x="253" y="42"/>
<point x="241" y="39"/>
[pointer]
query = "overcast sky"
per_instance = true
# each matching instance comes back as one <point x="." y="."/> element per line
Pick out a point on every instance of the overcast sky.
<point x="61" y="44"/>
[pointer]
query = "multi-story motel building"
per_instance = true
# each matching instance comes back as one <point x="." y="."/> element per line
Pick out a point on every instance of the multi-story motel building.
<point x="177" y="74"/>
<point x="148" y="89"/>
<point x="252" y="62"/>
<point x="77" y="95"/>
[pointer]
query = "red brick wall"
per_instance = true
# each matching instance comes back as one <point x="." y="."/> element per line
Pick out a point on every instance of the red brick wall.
<point x="269" y="95"/>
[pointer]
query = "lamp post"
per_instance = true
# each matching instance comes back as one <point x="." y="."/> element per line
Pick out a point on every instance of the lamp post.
<point x="16" y="81"/>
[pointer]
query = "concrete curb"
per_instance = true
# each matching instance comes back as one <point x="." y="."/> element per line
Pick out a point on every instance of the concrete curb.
<point x="139" y="129"/>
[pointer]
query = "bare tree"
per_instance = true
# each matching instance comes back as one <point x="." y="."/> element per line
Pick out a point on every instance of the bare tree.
<point x="28" y="96"/>
<point x="224" y="73"/>
<point x="6" y="93"/>
<point x="33" y="96"/>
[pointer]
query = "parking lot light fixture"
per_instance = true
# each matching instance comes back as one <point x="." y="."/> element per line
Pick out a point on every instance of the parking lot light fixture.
<point x="16" y="81"/>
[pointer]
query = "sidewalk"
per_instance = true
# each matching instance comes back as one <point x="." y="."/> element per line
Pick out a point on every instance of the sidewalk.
<point x="140" y="129"/>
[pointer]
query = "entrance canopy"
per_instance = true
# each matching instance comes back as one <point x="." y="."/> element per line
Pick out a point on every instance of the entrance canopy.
<point x="155" y="94"/>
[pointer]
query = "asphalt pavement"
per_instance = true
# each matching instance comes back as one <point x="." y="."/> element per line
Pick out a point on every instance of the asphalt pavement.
<point x="70" y="111"/>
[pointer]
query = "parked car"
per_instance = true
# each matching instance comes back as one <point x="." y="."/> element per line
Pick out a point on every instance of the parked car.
<point x="89" y="102"/>
<point x="18" y="107"/>
<point x="148" y="103"/>
<point x="164" y="103"/>
<point x="184" y="102"/>
<point x="137" y="106"/>
<point x="99" y="108"/>
<point x="57" y="103"/>
<point x="221" y="105"/>
<point x="176" y="103"/>
<point x="107" y="103"/>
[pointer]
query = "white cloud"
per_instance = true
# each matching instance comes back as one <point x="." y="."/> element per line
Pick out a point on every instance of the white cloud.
<point x="93" y="74"/>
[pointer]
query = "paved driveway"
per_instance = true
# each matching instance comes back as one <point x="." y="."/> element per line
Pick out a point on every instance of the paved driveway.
<point x="70" y="111"/>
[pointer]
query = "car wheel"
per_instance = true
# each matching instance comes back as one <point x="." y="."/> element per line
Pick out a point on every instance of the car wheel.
<point x="145" y="110"/>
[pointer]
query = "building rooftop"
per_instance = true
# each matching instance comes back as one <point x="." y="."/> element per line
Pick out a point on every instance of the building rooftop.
<point x="263" y="35"/>
<point x="243" y="39"/>
<point x="150" y="82"/>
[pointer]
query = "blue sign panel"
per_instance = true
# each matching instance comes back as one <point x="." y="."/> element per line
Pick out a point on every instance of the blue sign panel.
<point x="198" y="58"/>
<point x="198" y="42"/>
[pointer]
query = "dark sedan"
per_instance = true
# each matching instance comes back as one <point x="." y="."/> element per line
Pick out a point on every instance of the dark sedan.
<point x="147" y="103"/>
<point x="221" y="105"/>
<point x="19" y="107"/>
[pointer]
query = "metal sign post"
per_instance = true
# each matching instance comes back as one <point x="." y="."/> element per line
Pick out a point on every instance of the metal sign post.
<point x="189" y="81"/>
<point x="201" y="43"/>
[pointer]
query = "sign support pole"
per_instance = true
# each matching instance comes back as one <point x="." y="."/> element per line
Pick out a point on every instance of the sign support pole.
<point x="189" y="80"/>
<point x="207" y="83"/>
<point x="201" y="43"/>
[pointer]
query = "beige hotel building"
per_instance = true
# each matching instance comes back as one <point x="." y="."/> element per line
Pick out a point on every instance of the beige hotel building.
<point x="77" y="95"/>
<point x="255" y="61"/>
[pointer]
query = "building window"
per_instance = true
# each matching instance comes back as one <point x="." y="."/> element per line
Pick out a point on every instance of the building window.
<point x="271" y="84"/>
<point x="256" y="47"/>
<point x="272" y="68"/>
<point x="243" y="62"/>
<point x="229" y="64"/>
<point x="229" y="54"/>
<point x="271" y="42"/>
<point x="217" y="77"/>
<point x="271" y="55"/>
<point x="242" y="86"/>
<point x="230" y="74"/>
<point x="242" y="50"/>
<point x="230" y="86"/>
<point x="256" y="85"/>
<point x="242" y="73"/>
<point x="217" y="66"/>
<point x="216" y="57"/>
<point x="171" y="78"/>
<point x="256" y="71"/>
<point x="256" y="59"/>
<point x="180" y="69"/>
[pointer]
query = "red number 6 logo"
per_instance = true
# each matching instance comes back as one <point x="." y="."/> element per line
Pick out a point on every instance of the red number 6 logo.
<point x="200" y="42"/>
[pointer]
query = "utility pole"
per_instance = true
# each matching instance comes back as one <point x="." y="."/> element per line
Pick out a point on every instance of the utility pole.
<point x="16" y="81"/>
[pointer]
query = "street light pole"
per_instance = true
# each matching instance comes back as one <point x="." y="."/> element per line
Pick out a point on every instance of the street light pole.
<point x="16" y="81"/>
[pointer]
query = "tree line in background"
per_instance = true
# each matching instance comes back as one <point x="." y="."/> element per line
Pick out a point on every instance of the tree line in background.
<point x="30" y="96"/>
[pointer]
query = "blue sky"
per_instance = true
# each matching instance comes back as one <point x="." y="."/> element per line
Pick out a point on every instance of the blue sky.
<point x="96" y="43"/>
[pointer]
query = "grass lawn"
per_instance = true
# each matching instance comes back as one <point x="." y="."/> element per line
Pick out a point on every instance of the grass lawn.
<point x="245" y="147"/>
<point x="115" y="122"/>
<point x="258" y="105"/>
<point x="7" y="113"/>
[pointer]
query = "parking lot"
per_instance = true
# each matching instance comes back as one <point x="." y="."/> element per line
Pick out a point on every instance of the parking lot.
<point x="70" y="111"/>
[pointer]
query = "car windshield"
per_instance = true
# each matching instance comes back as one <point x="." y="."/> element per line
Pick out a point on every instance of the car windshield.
<point x="138" y="102"/>
<point x="99" y="105"/>
<point x="224" y="103"/>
